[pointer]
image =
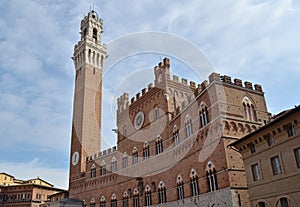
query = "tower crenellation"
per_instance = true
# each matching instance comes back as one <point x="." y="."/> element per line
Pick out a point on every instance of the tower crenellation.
<point x="89" y="49"/>
<point x="162" y="71"/>
<point x="123" y="101"/>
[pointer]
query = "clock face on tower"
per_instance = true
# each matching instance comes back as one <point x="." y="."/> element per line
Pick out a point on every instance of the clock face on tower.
<point x="139" y="120"/>
<point x="75" y="158"/>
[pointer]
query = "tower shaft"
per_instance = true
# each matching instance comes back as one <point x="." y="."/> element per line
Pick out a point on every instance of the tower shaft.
<point x="88" y="58"/>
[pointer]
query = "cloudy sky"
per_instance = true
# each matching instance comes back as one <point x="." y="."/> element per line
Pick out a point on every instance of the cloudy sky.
<point x="256" y="40"/>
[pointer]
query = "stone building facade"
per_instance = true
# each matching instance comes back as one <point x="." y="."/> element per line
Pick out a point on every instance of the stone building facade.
<point x="24" y="193"/>
<point x="172" y="136"/>
<point x="272" y="161"/>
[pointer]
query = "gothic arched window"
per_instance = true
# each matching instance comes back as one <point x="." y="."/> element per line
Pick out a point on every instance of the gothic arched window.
<point x="159" y="145"/>
<point x="93" y="204"/>
<point x="114" y="166"/>
<point x="93" y="171"/>
<point x="135" y="158"/>
<point x="125" y="160"/>
<point x="211" y="177"/>
<point x="175" y="135"/>
<point x="102" y="201"/>
<point x="125" y="199"/>
<point x="162" y="195"/>
<point x="203" y="115"/>
<point x="180" y="188"/>
<point x="188" y="126"/>
<point x="146" y="151"/>
<point x="103" y="168"/>
<point x="194" y="183"/>
<point x="148" y="196"/>
<point x="114" y="200"/>
<point x="136" y="200"/>
<point x="249" y="109"/>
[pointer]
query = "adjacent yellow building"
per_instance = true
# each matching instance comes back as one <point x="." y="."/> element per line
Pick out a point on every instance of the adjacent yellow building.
<point x="8" y="180"/>
<point x="271" y="157"/>
<point x="25" y="193"/>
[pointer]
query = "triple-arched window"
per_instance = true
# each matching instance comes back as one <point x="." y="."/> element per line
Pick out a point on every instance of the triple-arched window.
<point x="125" y="199"/>
<point x="102" y="201"/>
<point x="148" y="196"/>
<point x="249" y="109"/>
<point x="113" y="200"/>
<point x="180" y="187"/>
<point x="136" y="200"/>
<point x="93" y="203"/>
<point x="211" y="177"/>
<point x="162" y="195"/>
<point x="194" y="183"/>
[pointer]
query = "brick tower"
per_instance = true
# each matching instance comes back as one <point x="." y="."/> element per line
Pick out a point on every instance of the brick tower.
<point x="88" y="57"/>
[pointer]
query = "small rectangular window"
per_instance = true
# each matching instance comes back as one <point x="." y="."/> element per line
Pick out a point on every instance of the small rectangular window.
<point x="297" y="156"/>
<point x="270" y="139"/>
<point x="252" y="147"/>
<point x="290" y="130"/>
<point x="255" y="172"/>
<point x="276" y="165"/>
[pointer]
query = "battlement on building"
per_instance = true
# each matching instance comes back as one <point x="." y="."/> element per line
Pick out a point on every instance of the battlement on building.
<point x="102" y="154"/>
<point x="237" y="82"/>
<point x="124" y="102"/>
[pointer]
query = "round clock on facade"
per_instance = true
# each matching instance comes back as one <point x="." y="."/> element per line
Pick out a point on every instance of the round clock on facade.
<point x="75" y="158"/>
<point x="139" y="120"/>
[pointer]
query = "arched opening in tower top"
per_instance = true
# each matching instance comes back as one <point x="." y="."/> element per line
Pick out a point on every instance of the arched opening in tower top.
<point x="95" y="34"/>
